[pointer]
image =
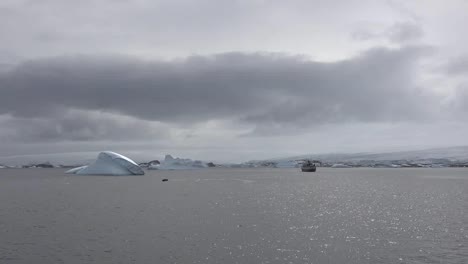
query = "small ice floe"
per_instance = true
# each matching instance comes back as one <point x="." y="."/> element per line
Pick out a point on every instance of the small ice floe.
<point x="339" y="165"/>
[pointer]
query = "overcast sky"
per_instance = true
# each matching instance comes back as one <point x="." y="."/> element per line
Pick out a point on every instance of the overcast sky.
<point x="230" y="80"/>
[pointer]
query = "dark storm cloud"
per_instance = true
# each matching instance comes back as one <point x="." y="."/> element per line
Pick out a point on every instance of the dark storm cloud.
<point x="78" y="126"/>
<point x="256" y="88"/>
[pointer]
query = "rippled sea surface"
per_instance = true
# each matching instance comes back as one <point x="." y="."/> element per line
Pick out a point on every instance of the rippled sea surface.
<point x="235" y="216"/>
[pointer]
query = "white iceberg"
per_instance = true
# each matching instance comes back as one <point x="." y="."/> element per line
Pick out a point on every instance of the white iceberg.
<point x="109" y="163"/>
<point x="171" y="163"/>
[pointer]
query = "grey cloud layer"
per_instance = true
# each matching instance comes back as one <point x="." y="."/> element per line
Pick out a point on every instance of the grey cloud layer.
<point x="458" y="66"/>
<point x="256" y="88"/>
<point x="400" y="32"/>
<point x="78" y="126"/>
<point x="171" y="28"/>
<point x="405" y="32"/>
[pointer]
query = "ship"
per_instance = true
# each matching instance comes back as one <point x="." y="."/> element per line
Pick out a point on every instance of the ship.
<point x="308" y="166"/>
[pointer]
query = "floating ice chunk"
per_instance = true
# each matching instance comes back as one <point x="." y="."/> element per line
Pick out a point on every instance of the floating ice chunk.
<point x="109" y="163"/>
<point x="339" y="165"/>
<point x="154" y="166"/>
<point x="74" y="170"/>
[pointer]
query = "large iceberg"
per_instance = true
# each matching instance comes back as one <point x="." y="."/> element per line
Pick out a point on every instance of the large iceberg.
<point x="109" y="163"/>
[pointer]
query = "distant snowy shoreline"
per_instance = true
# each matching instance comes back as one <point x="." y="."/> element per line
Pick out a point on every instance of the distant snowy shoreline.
<point x="430" y="158"/>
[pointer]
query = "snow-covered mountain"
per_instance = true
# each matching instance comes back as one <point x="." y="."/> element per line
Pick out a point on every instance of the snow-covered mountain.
<point x="453" y="153"/>
<point x="428" y="156"/>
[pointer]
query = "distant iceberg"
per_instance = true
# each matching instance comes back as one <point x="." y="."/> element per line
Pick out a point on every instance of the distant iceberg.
<point x="287" y="164"/>
<point x="171" y="163"/>
<point x="109" y="163"/>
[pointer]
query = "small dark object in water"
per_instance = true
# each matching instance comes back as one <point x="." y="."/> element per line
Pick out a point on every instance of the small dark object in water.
<point x="308" y="166"/>
<point x="164" y="179"/>
<point x="308" y="169"/>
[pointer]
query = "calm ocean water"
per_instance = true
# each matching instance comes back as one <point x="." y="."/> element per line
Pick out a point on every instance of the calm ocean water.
<point x="235" y="216"/>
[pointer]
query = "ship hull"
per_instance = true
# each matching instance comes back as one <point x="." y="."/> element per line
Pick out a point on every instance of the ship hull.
<point x="309" y="169"/>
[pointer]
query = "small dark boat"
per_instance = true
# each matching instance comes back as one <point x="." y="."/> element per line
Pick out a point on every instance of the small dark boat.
<point x="308" y="166"/>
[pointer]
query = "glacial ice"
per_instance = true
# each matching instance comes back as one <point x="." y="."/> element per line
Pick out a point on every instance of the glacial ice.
<point x="286" y="164"/>
<point x="171" y="163"/>
<point x="339" y="165"/>
<point x="109" y="163"/>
